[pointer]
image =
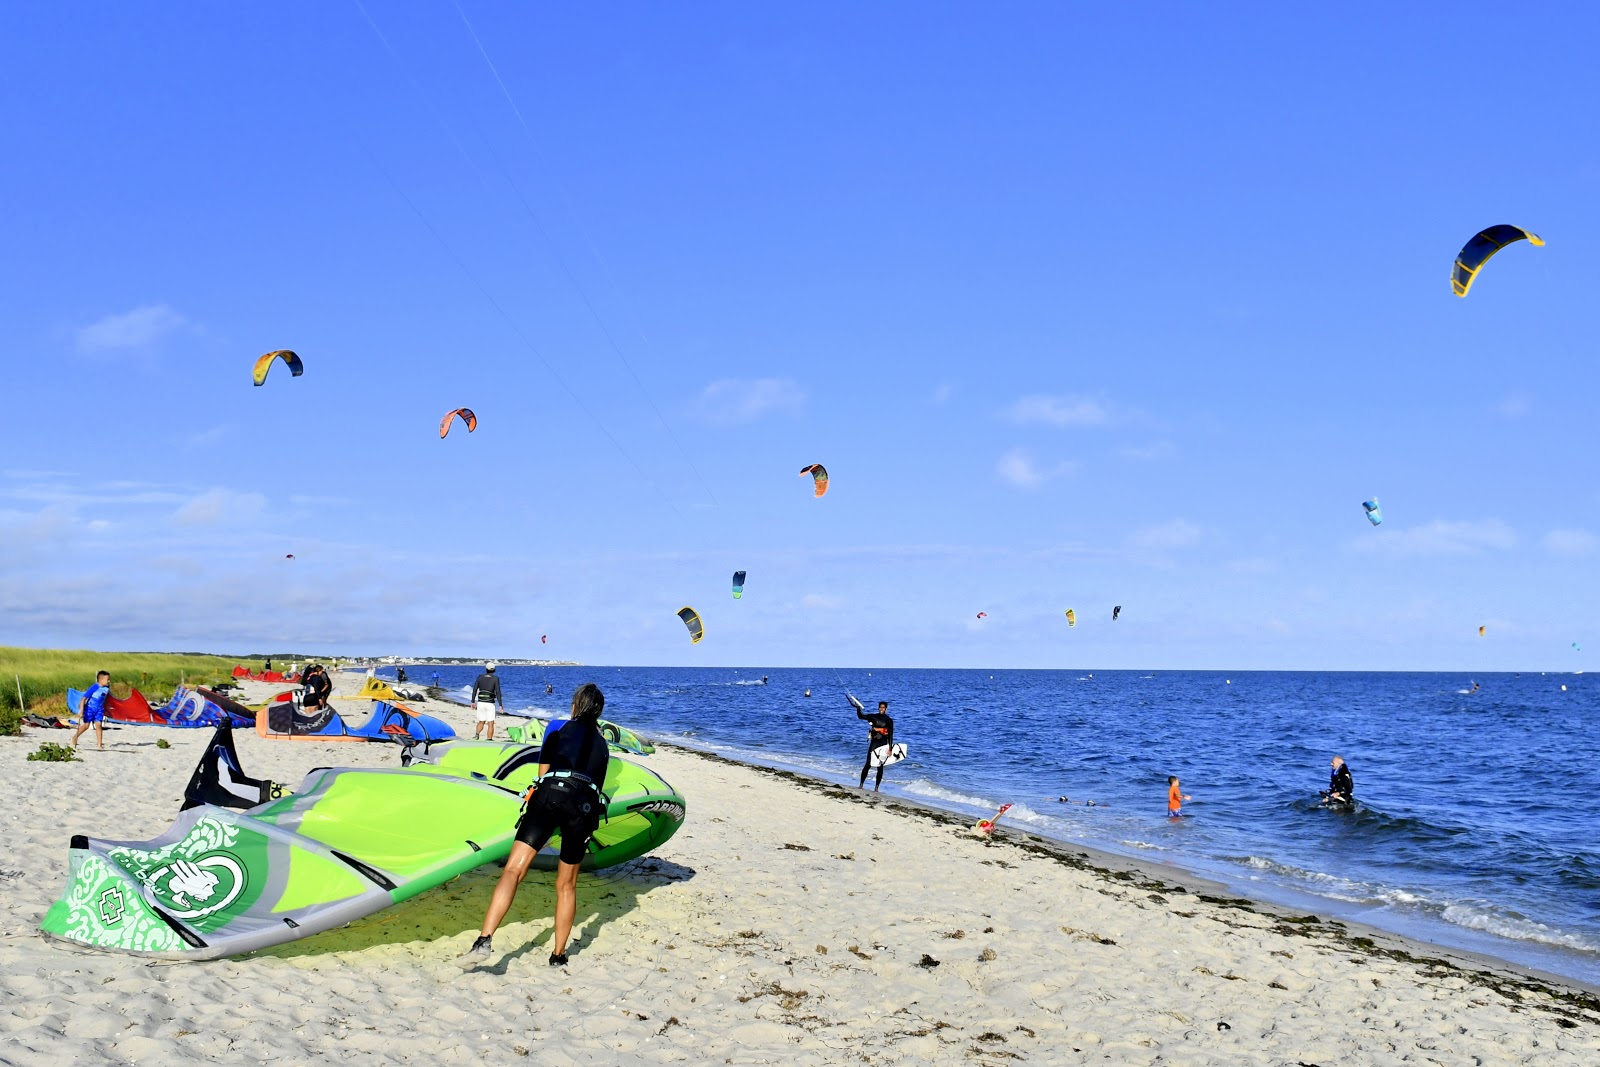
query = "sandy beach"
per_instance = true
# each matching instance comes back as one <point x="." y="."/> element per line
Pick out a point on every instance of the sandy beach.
<point x="789" y="921"/>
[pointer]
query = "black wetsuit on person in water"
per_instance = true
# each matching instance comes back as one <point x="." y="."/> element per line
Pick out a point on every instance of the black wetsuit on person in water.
<point x="880" y="731"/>
<point x="1341" y="786"/>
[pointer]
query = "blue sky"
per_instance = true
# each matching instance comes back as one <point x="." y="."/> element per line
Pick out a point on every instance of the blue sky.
<point x="1081" y="305"/>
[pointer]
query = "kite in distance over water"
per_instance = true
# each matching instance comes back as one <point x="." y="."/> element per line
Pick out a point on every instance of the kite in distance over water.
<point x="466" y="416"/>
<point x="1484" y="244"/>
<point x="983" y="614"/>
<point x="691" y="619"/>
<point x="1072" y="617"/>
<point x="1480" y="631"/>
<point x="263" y="364"/>
<point x="544" y="639"/>
<point x="1115" y="612"/>
<point x="1374" y="512"/>
<point x="738" y="584"/>
<point x="819" y="474"/>
<point x="289" y="556"/>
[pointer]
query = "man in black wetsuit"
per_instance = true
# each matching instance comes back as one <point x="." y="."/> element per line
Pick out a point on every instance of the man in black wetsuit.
<point x="572" y="770"/>
<point x="1341" y="786"/>
<point x="880" y="731"/>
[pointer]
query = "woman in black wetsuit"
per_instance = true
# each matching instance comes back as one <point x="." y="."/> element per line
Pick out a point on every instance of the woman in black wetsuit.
<point x="880" y="731"/>
<point x="567" y="799"/>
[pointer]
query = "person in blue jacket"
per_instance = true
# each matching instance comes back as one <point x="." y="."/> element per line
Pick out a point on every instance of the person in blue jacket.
<point x="93" y="709"/>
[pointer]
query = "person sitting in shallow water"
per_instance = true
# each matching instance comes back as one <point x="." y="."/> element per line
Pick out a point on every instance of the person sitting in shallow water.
<point x="1341" y="786"/>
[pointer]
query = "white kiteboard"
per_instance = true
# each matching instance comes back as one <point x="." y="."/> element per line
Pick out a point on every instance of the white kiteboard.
<point x="885" y="755"/>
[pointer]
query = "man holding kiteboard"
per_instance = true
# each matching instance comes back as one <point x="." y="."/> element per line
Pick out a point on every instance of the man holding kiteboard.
<point x="881" y="749"/>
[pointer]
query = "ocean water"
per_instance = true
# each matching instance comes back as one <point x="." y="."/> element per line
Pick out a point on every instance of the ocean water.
<point x="1475" y="827"/>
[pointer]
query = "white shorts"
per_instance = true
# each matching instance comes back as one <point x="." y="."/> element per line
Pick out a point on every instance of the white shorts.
<point x="486" y="711"/>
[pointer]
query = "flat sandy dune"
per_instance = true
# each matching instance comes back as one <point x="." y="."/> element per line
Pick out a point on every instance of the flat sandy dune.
<point x="789" y="922"/>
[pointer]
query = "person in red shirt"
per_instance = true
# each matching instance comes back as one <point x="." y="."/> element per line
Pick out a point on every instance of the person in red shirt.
<point x="1175" y="797"/>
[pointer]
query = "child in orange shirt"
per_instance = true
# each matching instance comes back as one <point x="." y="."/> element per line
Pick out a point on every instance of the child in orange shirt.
<point x="1175" y="797"/>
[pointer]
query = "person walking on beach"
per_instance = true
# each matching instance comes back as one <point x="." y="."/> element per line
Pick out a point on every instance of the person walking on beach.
<point x="486" y="694"/>
<point x="93" y="709"/>
<point x="1341" y="786"/>
<point x="1175" y="797"/>
<point x="880" y="731"/>
<point x="566" y="799"/>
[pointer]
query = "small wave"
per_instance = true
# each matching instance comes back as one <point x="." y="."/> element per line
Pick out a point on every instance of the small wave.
<point x="1516" y="927"/>
<point x="922" y="787"/>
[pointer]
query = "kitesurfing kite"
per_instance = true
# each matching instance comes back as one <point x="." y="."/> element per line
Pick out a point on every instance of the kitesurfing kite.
<point x="691" y="619"/>
<point x="738" y="584"/>
<point x="983" y="614"/>
<point x="227" y="878"/>
<point x="1481" y="630"/>
<point x="466" y="416"/>
<point x="1374" y="512"/>
<point x="289" y="556"/>
<point x="264" y="364"/>
<point x="544" y="639"/>
<point x="1115" y="612"/>
<point x="1072" y="617"/>
<point x="1478" y="251"/>
<point x="1575" y="647"/>
<point x="819" y="474"/>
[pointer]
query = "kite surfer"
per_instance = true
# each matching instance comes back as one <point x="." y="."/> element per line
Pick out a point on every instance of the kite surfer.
<point x="549" y="688"/>
<point x="565" y="799"/>
<point x="315" y="688"/>
<point x="1341" y="786"/>
<point x="486" y="693"/>
<point x="93" y="709"/>
<point x="880" y="731"/>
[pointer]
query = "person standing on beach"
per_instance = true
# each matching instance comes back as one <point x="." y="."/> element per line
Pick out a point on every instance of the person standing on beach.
<point x="880" y="731"/>
<point x="308" y="688"/>
<point x="1341" y="786"/>
<point x="486" y="694"/>
<point x="1175" y="797"/>
<point x="93" y="709"/>
<point x="567" y="800"/>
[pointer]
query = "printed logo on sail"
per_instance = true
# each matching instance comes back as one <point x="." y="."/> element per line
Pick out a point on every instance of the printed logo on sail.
<point x="197" y="887"/>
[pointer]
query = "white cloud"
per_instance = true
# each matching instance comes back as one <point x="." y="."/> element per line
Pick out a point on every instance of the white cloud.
<point x="942" y="393"/>
<point x="1570" y="542"/>
<point x="213" y="506"/>
<point x="1155" y="451"/>
<point x="1179" y="533"/>
<point x="1514" y="406"/>
<point x="136" y="329"/>
<point x="1018" y="467"/>
<point x="819" y="602"/>
<point x="1442" y="537"/>
<point x="728" y="401"/>
<point x="1059" y="411"/>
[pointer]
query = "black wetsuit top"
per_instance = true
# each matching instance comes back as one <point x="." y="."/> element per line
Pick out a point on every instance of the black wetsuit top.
<point x="880" y="728"/>
<point x="490" y="684"/>
<point x="1339" y="781"/>
<point x="563" y="748"/>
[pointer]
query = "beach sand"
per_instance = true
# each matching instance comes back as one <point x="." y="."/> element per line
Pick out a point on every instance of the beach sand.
<point x="789" y="921"/>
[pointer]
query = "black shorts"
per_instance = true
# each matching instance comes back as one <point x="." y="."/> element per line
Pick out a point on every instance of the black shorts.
<point x="558" y="805"/>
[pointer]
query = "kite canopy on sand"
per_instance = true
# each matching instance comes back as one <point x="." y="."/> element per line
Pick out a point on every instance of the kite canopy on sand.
<point x="188" y="709"/>
<point x="1481" y="248"/>
<point x="389" y="722"/>
<point x="258" y="373"/>
<point x="348" y="843"/>
<point x="691" y="619"/>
